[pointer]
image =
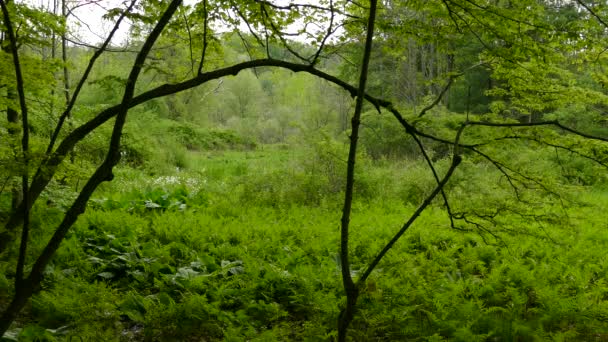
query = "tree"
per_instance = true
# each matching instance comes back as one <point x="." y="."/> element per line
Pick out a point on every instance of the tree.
<point x="526" y="62"/>
<point x="152" y="27"/>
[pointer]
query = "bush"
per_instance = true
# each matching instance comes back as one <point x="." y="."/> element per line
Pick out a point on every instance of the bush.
<point x="383" y="137"/>
<point x="197" y="139"/>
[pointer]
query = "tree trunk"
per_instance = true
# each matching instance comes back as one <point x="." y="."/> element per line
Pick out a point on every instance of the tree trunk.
<point x="16" y="305"/>
<point x="12" y="117"/>
<point x="24" y="287"/>
<point x="351" y="289"/>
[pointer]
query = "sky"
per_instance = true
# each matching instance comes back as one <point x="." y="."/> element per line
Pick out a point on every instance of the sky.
<point x="89" y="27"/>
<point x="86" y="18"/>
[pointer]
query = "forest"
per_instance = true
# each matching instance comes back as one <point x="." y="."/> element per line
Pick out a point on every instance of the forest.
<point x="294" y="170"/>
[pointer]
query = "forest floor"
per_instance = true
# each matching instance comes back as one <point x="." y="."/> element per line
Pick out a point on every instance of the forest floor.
<point x="243" y="246"/>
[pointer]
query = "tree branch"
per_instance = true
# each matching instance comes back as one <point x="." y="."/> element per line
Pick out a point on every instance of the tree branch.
<point x="593" y="13"/>
<point x="205" y="42"/>
<point x="327" y="34"/>
<point x="555" y="123"/>
<point x="435" y="175"/>
<point x="451" y="80"/>
<point x="456" y="159"/>
<point x="187" y="24"/>
<point x="48" y="166"/>
<point x="84" y="77"/>
<point x="103" y="173"/>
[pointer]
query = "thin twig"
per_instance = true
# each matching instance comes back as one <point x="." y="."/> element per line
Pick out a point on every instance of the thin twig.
<point x="187" y="24"/>
<point x="329" y="33"/>
<point x="205" y="41"/>
<point x="427" y="201"/>
<point x="435" y="175"/>
<point x="592" y="12"/>
<point x="84" y="77"/>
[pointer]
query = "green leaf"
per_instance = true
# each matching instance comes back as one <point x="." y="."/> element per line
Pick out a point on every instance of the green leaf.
<point x="151" y="205"/>
<point x="106" y="275"/>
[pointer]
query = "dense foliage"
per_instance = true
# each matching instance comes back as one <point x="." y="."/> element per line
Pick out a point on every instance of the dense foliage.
<point x="222" y="217"/>
<point x="173" y="258"/>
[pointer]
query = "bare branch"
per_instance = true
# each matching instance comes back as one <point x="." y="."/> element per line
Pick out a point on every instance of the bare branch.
<point x="501" y="169"/>
<point x="281" y="38"/>
<point x="451" y="80"/>
<point x="435" y="175"/>
<point x="296" y="6"/>
<point x="326" y="36"/>
<point x="546" y="143"/>
<point x="83" y="22"/>
<point x="452" y="15"/>
<point x="555" y="123"/>
<point x="488" y="9"/>
<point x="187" y="24"/>
<point x="244" y="19"/>
<point x="480" y="228"/>
<point x="94" y="47"/>
<point x="440" y="96"/>
<point x="85" y="3"/>
<point x="266" y="35"/>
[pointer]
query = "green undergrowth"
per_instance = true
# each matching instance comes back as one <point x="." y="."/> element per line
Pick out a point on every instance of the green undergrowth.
<point x="253" y="273"/>
<point x="244" y="247"/>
